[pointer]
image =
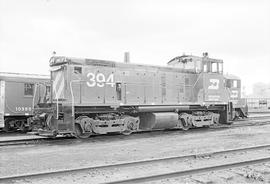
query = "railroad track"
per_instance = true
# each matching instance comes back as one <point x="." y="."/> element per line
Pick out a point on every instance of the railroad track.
<point x="27" y="141"/>
<point x="255" y="121"/>
<point x="267" y="116"/>
<point x="159" y="174"/>
<point x="190" y="172"/>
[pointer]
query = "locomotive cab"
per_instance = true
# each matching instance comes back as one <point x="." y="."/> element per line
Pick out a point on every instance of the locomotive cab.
<point x="208" y="89"/>
<point x="209" y="81"/>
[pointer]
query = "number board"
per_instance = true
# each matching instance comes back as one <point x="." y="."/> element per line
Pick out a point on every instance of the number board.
<point x="100" y="79"/>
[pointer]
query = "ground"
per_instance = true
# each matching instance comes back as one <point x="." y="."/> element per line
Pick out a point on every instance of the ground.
<point x="101" y="150"/>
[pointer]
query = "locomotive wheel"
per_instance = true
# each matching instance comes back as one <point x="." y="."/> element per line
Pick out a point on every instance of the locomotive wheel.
<point x="21" y="126"/>
<point x="7" y="127"/>
<point x="24" y="129"/>
<point x="127" y="132"/>
<point x="185" y="125"/>
<point x="130" y="126"/>
<point x="79" y="133"/>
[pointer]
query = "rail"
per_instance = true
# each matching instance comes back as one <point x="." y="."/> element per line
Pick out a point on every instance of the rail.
<point x="151" y="177"/>
<point x="190" y="171"/>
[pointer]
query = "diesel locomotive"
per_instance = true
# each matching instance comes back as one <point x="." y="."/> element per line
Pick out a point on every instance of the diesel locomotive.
<point x="90" y="96"/>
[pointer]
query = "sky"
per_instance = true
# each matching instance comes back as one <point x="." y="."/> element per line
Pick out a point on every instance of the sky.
<point x="153" y="31"/>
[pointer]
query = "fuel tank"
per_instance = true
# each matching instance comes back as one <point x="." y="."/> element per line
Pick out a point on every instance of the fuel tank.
<point x="163" y="120"/>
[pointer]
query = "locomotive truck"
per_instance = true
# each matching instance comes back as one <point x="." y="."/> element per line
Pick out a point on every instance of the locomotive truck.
<point x="91" y="96"/>
<point x="16" y="99"/>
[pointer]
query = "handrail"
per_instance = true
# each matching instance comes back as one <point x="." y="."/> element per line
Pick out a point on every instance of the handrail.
<point x="33" y="100"/>
<point x="72" y="95"/>
<point x="196" y="83"/>
<point x="197" y="80"/>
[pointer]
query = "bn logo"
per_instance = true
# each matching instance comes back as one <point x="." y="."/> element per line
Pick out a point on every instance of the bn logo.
<point x="214" y="84"/>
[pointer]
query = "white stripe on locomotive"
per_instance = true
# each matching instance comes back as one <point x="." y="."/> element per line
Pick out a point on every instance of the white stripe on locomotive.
<point x="59" y="92"/>
<point x="56" y="80"/>
<point x="58" y="85"/>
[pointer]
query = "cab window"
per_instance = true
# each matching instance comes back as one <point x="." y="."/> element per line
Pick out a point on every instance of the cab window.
<point x="220" y="67"/>
<point x="235" y="83"/>
<point x="77" y="70"/>
<point x="28" y="89"/>
<point x="214" y="67"/>
<point x="198" y="67"/>
<point x="228" y="84"/>
<point x="48" y="89"/>
<point x="205" y="68"/>
<point x="47" y="94"/>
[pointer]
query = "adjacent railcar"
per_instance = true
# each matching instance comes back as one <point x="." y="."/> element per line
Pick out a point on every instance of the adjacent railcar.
<point x="233" y="87"/>
<point x="258" y="104"/>
<point x="92" y="96"/>
<point x="16" y="99"/>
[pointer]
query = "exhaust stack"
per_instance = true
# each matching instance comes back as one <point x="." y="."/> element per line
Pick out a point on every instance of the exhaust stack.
<point x="126" y="57"/>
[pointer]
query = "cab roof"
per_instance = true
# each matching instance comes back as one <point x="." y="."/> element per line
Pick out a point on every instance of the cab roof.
<point x="232" y="77"/>
<point x="185" y="58"/>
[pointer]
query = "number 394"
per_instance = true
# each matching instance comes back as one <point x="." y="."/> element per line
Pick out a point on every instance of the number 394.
<point x="99" y="80"/>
